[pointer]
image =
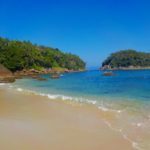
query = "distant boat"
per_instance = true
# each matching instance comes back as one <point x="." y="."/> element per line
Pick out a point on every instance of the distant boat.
<point x="108" y="73"/>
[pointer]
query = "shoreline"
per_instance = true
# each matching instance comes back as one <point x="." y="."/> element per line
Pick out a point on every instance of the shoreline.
<point x="124" y="68"/>
<point x="83" y="123"/>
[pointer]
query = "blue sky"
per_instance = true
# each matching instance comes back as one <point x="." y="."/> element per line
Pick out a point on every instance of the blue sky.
<point x="90" y="28"/>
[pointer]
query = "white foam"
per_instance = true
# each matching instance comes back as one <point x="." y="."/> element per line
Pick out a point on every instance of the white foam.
<point x="63" y="97"/>
<point x="19" y="89"/>
<point x="136" y="146"/>
<point x="139" y="124"/>
<point x="66" y="97"/>
<point x="103" y="108"/>
<point x="91" y="102"/>
<point x="119" y="111"/>
<point x="51" y="96"/>
<point x="2" y="84"/>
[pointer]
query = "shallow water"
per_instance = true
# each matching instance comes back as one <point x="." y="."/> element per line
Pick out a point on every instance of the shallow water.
<point x="124" y="98"/>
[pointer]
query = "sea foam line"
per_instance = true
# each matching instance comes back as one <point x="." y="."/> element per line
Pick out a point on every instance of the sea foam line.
<point x="135" y="145"/>
<point x="57" y="96"/>
<point x="1" y="84"/>
<point x="76" y="99"/>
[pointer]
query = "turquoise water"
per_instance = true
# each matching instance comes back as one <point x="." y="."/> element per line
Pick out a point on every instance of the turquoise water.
<point x="126" y="89"/>
<point x="125" y="95"/>
<point x="131" y="85"/>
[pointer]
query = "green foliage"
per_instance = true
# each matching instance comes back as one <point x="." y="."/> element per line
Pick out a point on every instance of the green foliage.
<point x="17" y="55"/>
<point x="126" y="58"/>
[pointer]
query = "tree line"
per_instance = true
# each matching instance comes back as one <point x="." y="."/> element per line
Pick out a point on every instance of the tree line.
<point x="18" y="55"/>
<point x="127" y="58"/>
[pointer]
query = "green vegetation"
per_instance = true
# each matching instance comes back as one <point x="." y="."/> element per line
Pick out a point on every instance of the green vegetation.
<point x="127" y="58"/>
<point x="17" y="55"/>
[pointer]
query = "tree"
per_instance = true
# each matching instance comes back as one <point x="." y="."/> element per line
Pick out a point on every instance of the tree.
<point x="17" y="55"/>
<point x="126" y="58"/>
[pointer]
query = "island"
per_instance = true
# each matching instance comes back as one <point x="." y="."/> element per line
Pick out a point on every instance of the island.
<point x="127" y="60"/>
<point x="24" y="58"/>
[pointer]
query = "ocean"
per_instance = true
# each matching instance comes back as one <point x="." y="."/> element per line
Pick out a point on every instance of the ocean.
<point x="123" y="98"/>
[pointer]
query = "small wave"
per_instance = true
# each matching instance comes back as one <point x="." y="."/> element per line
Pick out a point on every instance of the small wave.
<point x="103" y="108"/>
<point x="61" y="97"/>
<point x="70" y="98"/>
<point x="91" y="102"/>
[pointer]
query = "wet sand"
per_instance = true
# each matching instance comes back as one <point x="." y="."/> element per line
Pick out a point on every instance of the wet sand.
<point x="31" y="122"/>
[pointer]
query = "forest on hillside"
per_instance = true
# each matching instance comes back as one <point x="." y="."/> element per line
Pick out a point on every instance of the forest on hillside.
<point x="18" y="55"/>
<point x="127" y="58"/>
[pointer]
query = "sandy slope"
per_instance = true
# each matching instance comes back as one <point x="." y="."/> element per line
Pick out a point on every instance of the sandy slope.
<point x="29" y="122"/>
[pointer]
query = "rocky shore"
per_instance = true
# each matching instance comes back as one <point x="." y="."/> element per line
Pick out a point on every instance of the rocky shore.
<point x="107" y="67"/>
<point x="6" y="76"/>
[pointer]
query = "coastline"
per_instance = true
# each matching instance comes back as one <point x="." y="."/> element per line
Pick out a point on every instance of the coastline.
<point x="39" y="123"/>
<point x="124" y="68"/>
<point x="9" y="77"/>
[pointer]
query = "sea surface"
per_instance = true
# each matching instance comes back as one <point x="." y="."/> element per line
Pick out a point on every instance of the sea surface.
<point x="123" y="98"/>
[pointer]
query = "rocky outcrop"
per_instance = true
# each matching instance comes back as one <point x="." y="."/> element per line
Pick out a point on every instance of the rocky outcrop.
<point x="108" y="73"/>
<point x="108" y="67"/>
<point x="30" y="73"/>
<point x="4" y="71"/>
<point x="6" y="76"/>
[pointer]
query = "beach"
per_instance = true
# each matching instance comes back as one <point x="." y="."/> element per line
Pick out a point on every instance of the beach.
<point x="29" y="121"/>
<point x="74" y="75"/>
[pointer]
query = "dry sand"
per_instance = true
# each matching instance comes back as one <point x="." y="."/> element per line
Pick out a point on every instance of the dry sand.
<point x="30" y="122"/>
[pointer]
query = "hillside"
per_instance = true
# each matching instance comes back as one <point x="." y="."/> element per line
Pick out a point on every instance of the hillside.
<point x="18" y="55"/>
<point x="127" y="59"/>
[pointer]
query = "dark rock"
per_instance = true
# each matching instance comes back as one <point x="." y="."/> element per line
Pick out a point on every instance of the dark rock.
<point x="38" y="78"/>
<point x="6" y="76"/>
<point x="4" y="71"/>
<point x="108" y="73"/>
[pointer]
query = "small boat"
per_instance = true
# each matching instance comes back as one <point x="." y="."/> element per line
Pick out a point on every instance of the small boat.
<point x="108" y="73"/>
